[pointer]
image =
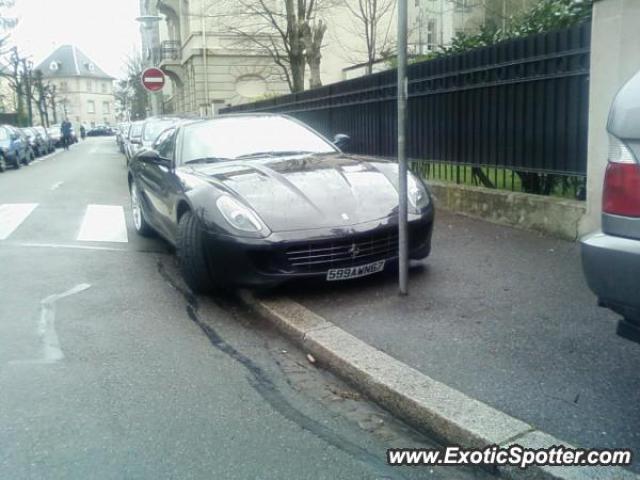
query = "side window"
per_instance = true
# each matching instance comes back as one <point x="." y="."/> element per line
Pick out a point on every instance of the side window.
<point x="165" y="142"/>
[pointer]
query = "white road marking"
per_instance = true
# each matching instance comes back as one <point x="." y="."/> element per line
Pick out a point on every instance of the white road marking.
<point x="12" y="215"/>
<point x="50" y="344"/>
<point x="55" y="186"/>
<point x="103" y="223"/>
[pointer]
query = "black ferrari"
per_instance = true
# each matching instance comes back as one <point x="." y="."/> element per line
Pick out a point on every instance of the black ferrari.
<point x="256" y="200"/>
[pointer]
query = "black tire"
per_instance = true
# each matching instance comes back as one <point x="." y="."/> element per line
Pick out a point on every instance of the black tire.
<point x="3" y="163"/>
<point x="191" y="256"/>
<point x="139" y="222"/>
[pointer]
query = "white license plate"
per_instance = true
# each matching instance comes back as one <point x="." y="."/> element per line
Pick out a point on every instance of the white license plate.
<point x="336" y="274"/>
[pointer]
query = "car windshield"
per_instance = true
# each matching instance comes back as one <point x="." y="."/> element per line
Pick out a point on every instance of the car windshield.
<point x="234" y="137"/>
<point x="154" y="128"/>
<point x="136" y="130"/>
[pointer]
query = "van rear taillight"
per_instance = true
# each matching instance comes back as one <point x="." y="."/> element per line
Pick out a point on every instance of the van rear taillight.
<point x="621" y="195"/>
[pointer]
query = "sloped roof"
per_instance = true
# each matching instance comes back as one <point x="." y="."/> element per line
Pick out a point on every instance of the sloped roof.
<point x="70" y="61"/>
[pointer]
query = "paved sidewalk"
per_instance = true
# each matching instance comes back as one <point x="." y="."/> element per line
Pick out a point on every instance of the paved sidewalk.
<point x="504" y="316"/>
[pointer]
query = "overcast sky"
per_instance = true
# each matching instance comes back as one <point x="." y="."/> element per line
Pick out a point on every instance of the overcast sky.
<point x="105" y="30"/>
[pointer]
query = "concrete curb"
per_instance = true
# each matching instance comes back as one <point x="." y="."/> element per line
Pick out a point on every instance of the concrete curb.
<point x="430" y="406"/>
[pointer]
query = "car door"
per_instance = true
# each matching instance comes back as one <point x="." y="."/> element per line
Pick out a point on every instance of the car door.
<point x="18" y="148"/>
<point x="157" y="182"/>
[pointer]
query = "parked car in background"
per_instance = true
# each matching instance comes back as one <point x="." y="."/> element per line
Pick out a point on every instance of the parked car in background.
<point x="50" y="142"/>
<point x="133" y="140"/>
<point x="55" y="135"/>
<point x="100" y="131"/>
<point x="154" y="126"/>
<point x="55" y="131"/>
<point x="257" y="200"/>
<point x="39" y="145"/>
<point x="14" y="148"/>
<point x="121" y="131"/>
<point x="611" y="257"/>
<point x="31" y="155"/>
<point x="74" y="135"/>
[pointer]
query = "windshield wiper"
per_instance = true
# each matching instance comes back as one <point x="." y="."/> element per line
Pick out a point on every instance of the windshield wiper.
<point x="207" y="160"/>
<point x="275" y="153"/>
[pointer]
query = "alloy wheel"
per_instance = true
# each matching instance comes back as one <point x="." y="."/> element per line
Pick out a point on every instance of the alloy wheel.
<point x="135" y="207"/>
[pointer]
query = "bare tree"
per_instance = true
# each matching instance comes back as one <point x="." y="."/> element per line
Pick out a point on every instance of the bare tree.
<point x="372" y="20"/>
<point x="51" y="98"/>
<point x="312" y="36"/>
<point x="14" y="72"/>
<point x="40" y="92"/>
<point x="6" y="23"/>
<point x="288" y="31"/>
<point x="130" y="95"/>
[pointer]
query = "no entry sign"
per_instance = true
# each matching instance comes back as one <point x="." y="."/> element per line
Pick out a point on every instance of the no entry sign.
<point x="153" y="79"/>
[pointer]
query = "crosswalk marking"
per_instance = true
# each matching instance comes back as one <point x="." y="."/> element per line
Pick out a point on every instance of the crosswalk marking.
<point x="12" y="215"/>
<point x="103" y="223"/>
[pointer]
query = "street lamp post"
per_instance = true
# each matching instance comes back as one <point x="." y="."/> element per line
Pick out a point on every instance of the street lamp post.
<point x="205" y="59"/>
<point x="403" y="240"/>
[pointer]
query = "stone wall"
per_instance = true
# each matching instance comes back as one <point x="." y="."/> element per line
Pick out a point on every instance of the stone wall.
<point x="549" y="215"/>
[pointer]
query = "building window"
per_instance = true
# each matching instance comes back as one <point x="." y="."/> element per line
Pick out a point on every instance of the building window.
<point x="91" y="106"/>
<point x="104" y="88"/>
<point x="462" y="4"/>
<point x="89" y="86"/>
<point x="431" y="34"/>
<point x="106" y="108"/>
<point x="63" y="87"/>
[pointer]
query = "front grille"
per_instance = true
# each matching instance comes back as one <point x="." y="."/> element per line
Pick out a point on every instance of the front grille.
<point x="340" y="253"/>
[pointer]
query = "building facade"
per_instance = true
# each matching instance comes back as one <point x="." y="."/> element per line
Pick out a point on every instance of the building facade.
<point x="210" y="67"/>
<point x="84" y="92"/>
<point x="207" y="66"/>
<point x="435" y="23"/>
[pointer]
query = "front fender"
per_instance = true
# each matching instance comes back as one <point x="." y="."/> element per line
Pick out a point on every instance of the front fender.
<point x="201" y="195"/>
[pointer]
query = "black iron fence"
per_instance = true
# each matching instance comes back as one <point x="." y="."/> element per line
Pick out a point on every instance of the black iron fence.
<point x="513" y="115"/>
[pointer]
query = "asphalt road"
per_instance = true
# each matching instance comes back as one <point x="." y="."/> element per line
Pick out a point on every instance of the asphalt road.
<point x="504" y="316"/>
<point x="109" y="368"/>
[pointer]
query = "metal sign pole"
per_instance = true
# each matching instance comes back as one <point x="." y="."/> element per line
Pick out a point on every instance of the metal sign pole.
<point x="402" y="154"/>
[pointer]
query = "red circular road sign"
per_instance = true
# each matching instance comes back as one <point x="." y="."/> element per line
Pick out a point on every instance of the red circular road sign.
<point x="153" y="79"/>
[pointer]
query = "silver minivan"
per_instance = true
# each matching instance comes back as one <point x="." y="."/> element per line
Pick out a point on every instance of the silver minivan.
<point x="611" y="257"/>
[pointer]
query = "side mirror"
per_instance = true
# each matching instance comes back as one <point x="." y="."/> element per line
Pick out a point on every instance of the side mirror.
<point x="152" y="156"/>
<point x="341" y="140"/>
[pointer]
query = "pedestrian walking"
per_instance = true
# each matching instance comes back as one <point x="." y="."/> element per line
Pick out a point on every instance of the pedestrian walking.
<point x="83" y="132"/>
<point x="65" y="130"/>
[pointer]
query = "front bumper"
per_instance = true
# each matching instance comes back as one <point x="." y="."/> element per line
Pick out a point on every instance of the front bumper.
<point x="612" y="268"/>
<point x="264" y="262"/>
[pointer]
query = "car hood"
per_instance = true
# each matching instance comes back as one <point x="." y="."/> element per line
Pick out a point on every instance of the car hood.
<point x="311" y="191"/>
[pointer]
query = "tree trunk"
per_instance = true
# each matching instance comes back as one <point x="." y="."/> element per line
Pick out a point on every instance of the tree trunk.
<point x="313" y="36"/>
<point x="297" y="71"/>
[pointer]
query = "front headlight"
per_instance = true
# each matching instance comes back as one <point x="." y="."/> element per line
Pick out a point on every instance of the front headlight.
<point x="239" y="217"/>
<point x="418" y="196"/>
